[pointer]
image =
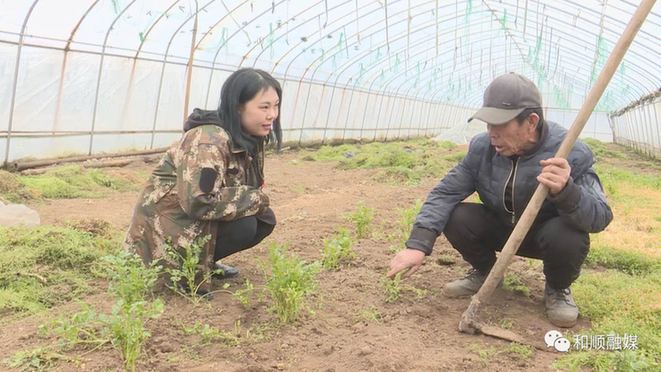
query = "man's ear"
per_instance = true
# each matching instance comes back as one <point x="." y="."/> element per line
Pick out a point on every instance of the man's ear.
<point x="533" y="118"/>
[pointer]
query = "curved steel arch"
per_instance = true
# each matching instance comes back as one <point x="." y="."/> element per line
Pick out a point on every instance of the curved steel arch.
<point x="151" y="27"/>
<point x="220" y="47"/>
<point x="513" y="42"/>
<point x="322" y="57"/>
<point x="98" y="80"/>
<point x="165" y="59"/>
<point x="636" y="84"/>
<point x="12" y="105"/>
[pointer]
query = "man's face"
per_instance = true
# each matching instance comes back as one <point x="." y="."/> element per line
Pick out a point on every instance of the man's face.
<point x="513" y="138"/>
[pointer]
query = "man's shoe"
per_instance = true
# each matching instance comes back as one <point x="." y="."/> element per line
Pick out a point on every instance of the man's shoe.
<point x="560" y="307"/>
<point x="466" y="286"/>
<point x="224" y="271"/>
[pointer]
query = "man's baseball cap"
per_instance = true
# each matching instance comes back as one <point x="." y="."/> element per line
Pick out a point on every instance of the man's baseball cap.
<point x="506" y="97"/>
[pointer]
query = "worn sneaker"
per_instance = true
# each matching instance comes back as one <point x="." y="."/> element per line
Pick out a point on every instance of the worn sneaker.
<point x="560" y="307"/>
<point x="222" y="271"/>
<point x="466" y="286"/>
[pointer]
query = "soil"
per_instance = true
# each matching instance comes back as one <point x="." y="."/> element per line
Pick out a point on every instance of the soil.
<point x="348" y="325"/>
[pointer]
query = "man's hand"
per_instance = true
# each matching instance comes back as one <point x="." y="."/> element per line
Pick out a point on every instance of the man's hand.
<point x="555" y="174"/>
<point x="407" y="259"/>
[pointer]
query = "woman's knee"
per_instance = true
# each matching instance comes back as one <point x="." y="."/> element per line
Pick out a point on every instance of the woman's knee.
<point x="237" y="231"/>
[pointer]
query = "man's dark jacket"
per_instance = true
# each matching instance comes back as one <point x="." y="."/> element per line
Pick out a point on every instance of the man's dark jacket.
<point x="582" y="202"/>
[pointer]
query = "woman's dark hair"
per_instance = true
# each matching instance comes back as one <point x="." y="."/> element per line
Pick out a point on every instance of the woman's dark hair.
<point x="239" y="88"/>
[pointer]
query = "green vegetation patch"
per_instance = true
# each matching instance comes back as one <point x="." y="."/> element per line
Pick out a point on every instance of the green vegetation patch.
<point x="291" y="280"/>
<point x="401" y="162"/>
<point x="619" y="304"/>
<point x="624" y="261"/>
<point x="44" y="266"/>
<point x="65" y="182"/>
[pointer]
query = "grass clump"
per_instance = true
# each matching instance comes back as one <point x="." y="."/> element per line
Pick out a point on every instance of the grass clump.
<point x="619" y="304"/>
<point x="244" y="295"/>
<point x="290" y="281"/>
<point x="12" y="190"/>
<point x="601" y="150"/>
<point x="393" y="288"/>
<point x="337" y="250"/>
<point x="362" y="218"/>
<point x="404" y="225"/>
<point x="65" y="182"/>
<point x="401" y="162"/>
<point x="370" y="314"/>
<point x="209" y="334"/>
<point x="513" y="283"/>
<point x="44" y="266"/>
<point x="625" y="261"/>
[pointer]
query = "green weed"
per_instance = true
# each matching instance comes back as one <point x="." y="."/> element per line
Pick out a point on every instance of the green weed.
<point x="244" y="294"/>
<point x="64" y="182"/>
<point x="601" y="150"/>
<point x="401" y="162"/>
<point x="370" y="314"/>
<point x="362" y="218"/>
<point x="337" y="250"/>
<point x="445" y="259"/>
<point x="629" y="262"/>
<point x="12" y="190"/>
<point x="37" y="359"/>
<point x="405" y="223"/>
<point x="209" y="334"/>
<point x="513" y="283"/>
<point x="291" y="280"/>
<point x="613" y="179"/>
<point x="186" y="274"/>
<point x="44" y="266"/>
<point x="125" y="327"/>
<point x="619" y="303"/>
<point x="393" y="288"/>
<point x="519" y="352"/>
<point x="514" y="351"/>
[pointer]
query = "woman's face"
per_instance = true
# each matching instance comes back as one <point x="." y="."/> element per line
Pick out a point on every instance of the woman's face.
<point x="258" y="114"/>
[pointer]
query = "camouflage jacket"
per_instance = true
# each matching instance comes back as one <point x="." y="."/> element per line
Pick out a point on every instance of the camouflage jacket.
<point x="200" y="180"/>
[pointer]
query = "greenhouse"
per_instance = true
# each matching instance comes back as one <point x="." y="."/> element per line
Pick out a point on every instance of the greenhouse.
<point x="361" y="140"/>
<point x="105" y="76"/>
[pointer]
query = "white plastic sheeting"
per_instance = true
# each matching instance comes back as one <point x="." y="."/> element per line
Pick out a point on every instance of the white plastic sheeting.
<point x="638" y="126"/>
<point x="88" y="76"/>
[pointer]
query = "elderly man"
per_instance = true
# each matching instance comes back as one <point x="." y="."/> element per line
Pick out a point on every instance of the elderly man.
<point x="504" y="166"/>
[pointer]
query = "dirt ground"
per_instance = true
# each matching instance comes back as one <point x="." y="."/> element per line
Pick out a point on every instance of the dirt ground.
<point x="349" y="327"/>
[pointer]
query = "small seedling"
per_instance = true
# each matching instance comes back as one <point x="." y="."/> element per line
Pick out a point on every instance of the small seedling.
<point x="407" y="218"/>
<point x="370" y="314"/>
<point x="393" y="288"/>
<point x="361" y="218"/>
<point x="513" y="283"/>
<point x="125" y="327"/>
<point x="291" y="280"/>
<point x="186" y="277"/>
<point x="209" y="334"/>
<point x="446" y="259"/>
<point x="244" y="294"/>
<point x="337" y="250"/>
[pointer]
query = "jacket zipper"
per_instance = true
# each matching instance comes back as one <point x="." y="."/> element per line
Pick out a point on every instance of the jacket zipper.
<point x="515" y="163"/>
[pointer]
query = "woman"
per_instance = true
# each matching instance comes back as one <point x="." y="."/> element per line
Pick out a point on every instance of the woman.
<point x="207" y="188"/>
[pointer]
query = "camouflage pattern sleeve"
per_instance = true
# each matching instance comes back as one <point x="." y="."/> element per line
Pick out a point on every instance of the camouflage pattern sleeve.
<point x="203" y="195"/>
